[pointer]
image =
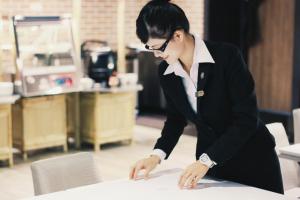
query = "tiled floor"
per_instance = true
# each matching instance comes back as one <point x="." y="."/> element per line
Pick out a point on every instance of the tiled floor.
<point x="113" y="160"/>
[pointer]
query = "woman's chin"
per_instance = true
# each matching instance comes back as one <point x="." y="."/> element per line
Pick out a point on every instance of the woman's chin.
<point x="170" y="61"/>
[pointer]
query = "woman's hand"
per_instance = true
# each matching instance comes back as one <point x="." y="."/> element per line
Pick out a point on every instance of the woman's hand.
<point x="147" y="164"/>
<point x="192" y="174"/>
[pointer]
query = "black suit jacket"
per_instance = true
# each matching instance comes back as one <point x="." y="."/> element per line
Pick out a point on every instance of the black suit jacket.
<point x="227" y="115"/>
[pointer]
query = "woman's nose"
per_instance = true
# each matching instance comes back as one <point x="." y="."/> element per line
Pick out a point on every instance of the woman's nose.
<point x="157" y="54"/>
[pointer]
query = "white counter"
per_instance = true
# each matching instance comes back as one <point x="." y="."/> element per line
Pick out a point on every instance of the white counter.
<point x="133" y="88"/>
<point x="9" y="99"/>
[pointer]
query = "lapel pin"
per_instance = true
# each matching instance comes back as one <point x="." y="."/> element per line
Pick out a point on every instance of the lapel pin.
<point x="199" y="93"/>
<point x="202" y="75"/>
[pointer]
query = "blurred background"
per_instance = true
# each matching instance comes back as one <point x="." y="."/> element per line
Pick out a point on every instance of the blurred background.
<point x="74" y="77"/>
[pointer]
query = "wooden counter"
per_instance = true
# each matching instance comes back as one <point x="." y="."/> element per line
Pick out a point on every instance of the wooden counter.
<point x="107" y="115"/>
<point x="39" y="122"/>
<point x="6" y="152"/>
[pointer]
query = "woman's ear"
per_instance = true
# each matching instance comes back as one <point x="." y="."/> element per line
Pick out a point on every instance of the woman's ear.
<point x="178" y="35"/>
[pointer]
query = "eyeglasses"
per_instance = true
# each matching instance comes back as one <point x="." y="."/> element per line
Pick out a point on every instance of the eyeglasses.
<point x="163" y="46"/>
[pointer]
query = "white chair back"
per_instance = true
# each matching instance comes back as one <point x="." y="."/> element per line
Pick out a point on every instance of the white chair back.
<point x="289" y="168"/>
<point x="64" y="172"/>
<point x="296" y="121"/>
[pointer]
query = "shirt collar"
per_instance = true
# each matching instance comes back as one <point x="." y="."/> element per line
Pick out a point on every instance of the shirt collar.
<point x="201" y="55"/>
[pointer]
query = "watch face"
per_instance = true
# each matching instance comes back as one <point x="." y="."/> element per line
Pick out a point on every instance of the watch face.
<point x="204" y="158"/>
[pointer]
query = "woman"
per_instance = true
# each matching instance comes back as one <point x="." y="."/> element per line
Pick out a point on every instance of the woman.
<point x="210" y="85"/>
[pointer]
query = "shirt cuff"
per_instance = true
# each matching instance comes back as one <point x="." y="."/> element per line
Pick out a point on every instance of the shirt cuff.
<point x="160" y="153"/>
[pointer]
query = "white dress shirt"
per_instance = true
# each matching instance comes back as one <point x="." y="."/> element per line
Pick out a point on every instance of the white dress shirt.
<point x="201" y="55"/>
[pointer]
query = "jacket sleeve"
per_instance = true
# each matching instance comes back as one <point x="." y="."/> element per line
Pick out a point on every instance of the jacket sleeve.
<point x="173" y="127"/>
<point x="244" y="123"/>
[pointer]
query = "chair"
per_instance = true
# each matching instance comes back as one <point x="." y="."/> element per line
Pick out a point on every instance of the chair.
<point x="64" y="172"/>
<point x="296" y="120"/>
<point x="289" y="168"/>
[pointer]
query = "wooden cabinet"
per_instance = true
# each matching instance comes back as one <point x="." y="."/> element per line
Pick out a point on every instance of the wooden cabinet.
<point x="6" y="134"/>
<point x="39" y="122"/>
<point x="73" y="121"/>
<point x="107" y="117"/>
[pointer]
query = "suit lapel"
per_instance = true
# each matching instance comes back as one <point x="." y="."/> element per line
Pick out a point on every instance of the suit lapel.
<point x="204" y="74"/>
<point x="177" y="89"/>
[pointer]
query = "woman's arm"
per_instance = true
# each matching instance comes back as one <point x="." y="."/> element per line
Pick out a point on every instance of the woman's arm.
<point x="173" y="126"/>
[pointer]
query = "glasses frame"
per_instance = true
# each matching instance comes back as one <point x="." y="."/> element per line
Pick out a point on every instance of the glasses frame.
<point x="163" y="47"/>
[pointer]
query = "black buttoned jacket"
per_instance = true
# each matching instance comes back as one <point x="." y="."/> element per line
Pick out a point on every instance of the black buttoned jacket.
<point x="227" y="115"/>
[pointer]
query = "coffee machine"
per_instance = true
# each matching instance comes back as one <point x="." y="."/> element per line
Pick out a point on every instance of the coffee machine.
<point x="99" y="60"/>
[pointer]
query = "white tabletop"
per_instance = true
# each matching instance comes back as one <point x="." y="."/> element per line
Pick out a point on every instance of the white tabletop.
<point x="9" y="99"/>
<point x="163" y="185"/>
<point x="290" y="152"/>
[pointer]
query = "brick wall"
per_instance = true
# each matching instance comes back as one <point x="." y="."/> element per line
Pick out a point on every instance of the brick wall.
<point x="98" y="17"/>
<point x="9" y="8"/>
<point x="193" y="9"/>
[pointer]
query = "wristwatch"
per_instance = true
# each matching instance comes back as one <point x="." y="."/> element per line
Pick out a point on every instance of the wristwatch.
<point x="205" y="160"/>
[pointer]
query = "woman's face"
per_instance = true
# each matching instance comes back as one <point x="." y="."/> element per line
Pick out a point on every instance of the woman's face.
<point x="172" y="51"/>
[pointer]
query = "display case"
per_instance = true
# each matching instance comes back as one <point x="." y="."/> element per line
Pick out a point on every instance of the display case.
<point x="45" y="55"/>
<point x="47" y="69"/>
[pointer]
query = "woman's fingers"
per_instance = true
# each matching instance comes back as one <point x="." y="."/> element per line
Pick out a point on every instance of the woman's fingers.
<point x="147" y="164"/>
<point x="196" y="180"/>
<point x="190" y="180"/>
<point x="136" y="171"/>
<point x="131" y="173"/>
<point x="183" y="178"/>
<point x="147" y="172"/>
<point x="193" y="174"/>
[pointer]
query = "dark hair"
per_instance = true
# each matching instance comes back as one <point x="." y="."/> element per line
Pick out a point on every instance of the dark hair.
<point x="159" y="19"/>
